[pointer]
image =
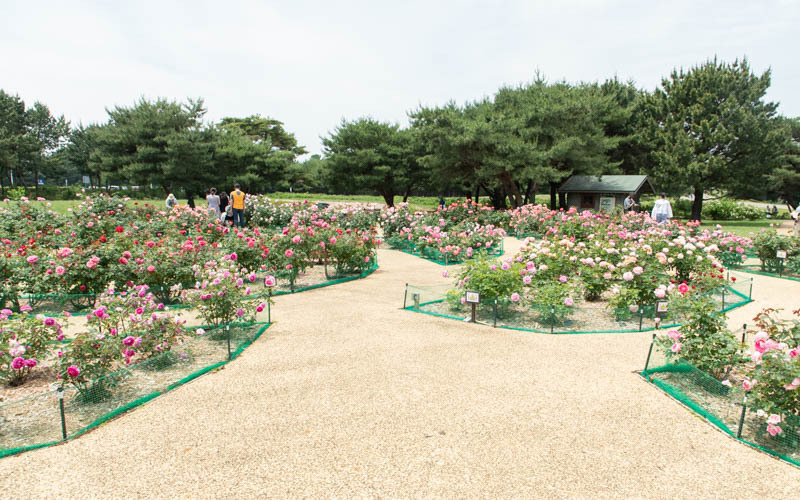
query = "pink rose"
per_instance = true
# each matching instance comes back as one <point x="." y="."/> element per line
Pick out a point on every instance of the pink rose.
<point x="676" y="347"/>
<point x="515" y="297"/>
<point x="568" y="302"/>
<point x="32" y="259"/>
<point x="73" y="371"/>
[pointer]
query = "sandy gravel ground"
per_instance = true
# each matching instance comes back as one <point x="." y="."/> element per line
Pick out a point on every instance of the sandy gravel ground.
<point x="349" y="396"/>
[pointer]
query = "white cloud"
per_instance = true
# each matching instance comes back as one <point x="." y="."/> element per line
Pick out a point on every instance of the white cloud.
<point x="311" y="63"/>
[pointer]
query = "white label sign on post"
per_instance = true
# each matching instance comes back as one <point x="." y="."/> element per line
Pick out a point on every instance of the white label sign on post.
<point x="473" y="297"/>
<point x="781" y="254"/>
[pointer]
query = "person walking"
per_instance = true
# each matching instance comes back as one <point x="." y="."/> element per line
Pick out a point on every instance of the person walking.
<point x="662" y="210"/>
<point x="171" y="202"/>
<point x="441" y="203"/>
<point x="237" y="201"/>
<point x="213" y="203"/>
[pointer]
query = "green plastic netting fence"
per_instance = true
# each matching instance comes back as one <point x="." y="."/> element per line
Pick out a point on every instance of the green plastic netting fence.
<point x="723" y="406"/>
<point x="37" y="421"/>
<point x="582" y="317"/>
<point x="444" y="258"/>
<point x="317" y="276"/>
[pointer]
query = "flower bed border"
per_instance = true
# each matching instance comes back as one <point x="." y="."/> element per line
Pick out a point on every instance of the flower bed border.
<point x="412" y="250"/>
<point x="412" y="308"/>
<point x="141" y="400"/>
<point x="686" y="400"/>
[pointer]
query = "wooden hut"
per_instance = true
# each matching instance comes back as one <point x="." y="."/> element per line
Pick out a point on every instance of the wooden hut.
<point x="591" y="192"/>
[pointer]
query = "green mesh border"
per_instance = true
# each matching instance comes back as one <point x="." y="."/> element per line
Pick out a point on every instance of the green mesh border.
<point x="688" y="402"/>
<point x="748" y="268"/>
<point x="140" y="401"/>
<point x="363" y="275"/>
<point x="746" y="301"/>
<point x="412" y="250"/>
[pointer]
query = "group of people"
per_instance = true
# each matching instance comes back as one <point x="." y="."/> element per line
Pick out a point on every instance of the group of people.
<point x="227" y="208"/>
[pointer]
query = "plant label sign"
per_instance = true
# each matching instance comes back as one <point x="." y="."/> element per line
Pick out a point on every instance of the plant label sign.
<point x="781" y="254"/>
<point x="662" y="306"/>
<point x="473" y="297"/>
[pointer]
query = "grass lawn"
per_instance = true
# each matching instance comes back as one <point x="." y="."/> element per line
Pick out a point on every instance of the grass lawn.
<point x="745" y="227"/>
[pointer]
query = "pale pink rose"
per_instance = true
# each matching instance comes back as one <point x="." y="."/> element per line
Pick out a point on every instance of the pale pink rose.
<point x="628" y="276"/>
<point x="748" y="384"/>
<point x="562" y="278"/>
<point x="444" y="273"/>
<point x="526" y="280"/>
<point x="774" y="419"/>
<point x="774" y="430"/>
<point x="676" y="347"/>
<point x="660" y="293"/>
<point x="638" y="270"/>
<point x="674" y="334"/>
<point x="515" y="297"/>
<point x="568" y="302"/>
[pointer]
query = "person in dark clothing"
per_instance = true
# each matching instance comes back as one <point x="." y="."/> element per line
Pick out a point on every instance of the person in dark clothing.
<point x="223" y="208"/>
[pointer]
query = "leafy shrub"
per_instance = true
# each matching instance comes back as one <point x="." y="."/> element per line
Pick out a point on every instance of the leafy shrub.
<point x="730" y="210"/>
<point x="704" y="340"/>
<point x="23" y="344"/>
<point x="773" y="378"/>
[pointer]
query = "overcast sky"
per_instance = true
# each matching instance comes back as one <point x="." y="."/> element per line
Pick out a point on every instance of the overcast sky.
<point x="310" y="64"/>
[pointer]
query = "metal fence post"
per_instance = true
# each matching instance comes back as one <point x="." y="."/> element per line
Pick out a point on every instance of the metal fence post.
<point x="495" y="313"/>
<point x="552" y="319"/>
<point x="405" y="296"/>
<point x="723" y="298"/>
<point x="741" y="419"/>
<point x="228" y="335"/>
<point x="649" y="352"/>
<point x="744" y="333"/>
<point x="750" y="294"/>
<point x="61" y="411"/>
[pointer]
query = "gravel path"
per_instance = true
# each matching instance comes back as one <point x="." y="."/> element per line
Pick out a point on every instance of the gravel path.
<point x="347" y="395"/>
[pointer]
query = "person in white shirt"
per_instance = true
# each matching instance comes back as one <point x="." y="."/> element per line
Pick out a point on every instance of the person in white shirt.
<point x="662" y="210"/>
<point x="795" y="214"/>
<point x="213" y="203"/>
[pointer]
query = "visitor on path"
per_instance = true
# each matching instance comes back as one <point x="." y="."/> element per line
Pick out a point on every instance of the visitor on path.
<point x="441" y="203"/>
<point x="237" y="201"/>
<point x="662" y="210"/>
<point x="225" y="209"/>
<point x="628" y="203"/>
<point x="796" y="216"/>
<point x="213" y="203"/>
<point x="172" y="202"/>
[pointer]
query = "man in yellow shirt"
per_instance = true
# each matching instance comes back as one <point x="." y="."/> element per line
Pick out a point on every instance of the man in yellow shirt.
<point x="237" y="202"/>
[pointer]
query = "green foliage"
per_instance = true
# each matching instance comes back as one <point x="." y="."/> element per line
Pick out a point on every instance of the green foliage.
<point x="704" y="340"/>
<point x="730" y="210"/>
<point x="775" y="371"/>
<point x="710" y="128"/>
<point x="374" y="155"/>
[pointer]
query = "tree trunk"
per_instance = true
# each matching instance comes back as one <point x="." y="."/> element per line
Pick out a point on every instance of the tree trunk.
<point x="510" y="186"/>
<point x="553" y="195"/>
<point x="36" y="179"/>
<point x="697" y="204"/>
<point x="562" y="200"/>
<point x="388" y="197"/>
<point x="407" y="193"/>
<point x="477" y="192"/>
<point x="527" y="197"/>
